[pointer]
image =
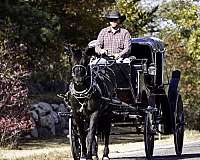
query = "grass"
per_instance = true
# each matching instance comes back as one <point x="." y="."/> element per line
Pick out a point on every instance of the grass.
<point x="59" y="149"/>
<point x="54" y="149"/>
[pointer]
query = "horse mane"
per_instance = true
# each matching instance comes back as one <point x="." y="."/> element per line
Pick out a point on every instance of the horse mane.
<point x="76" y="56"/>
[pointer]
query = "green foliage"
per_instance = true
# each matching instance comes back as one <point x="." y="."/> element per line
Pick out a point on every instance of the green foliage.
<point x="183" y="53"/>
<point x="193" y="44"/>
<point x="35" y="37"/>
<point x="84" y="21"/>
<point x="138" y="18"/>
<point x="185" y="15"/>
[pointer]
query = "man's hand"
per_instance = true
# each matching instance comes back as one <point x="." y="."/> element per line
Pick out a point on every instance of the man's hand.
<point x="103" y="51"/>
<point x="116" y="55"/>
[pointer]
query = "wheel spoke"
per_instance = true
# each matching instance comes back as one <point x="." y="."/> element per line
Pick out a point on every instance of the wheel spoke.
<point x="149" y="135"/>
<point x="179" y="126"/>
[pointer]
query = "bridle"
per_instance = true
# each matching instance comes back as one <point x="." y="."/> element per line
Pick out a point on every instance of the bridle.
<point x="79" y="66"/>
<point x="84" y="95"/>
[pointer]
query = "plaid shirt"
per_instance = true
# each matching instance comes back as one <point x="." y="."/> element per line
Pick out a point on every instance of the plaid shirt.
<point x="114" y="43"/>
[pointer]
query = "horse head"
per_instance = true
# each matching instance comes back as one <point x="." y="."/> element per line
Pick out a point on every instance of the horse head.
<point x="80" y="60"/>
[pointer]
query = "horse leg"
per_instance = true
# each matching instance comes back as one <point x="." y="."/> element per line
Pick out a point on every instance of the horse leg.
<point x="83" y="134"/>
<point x="106" y="140"/>
<point x="95" y="149"/>
<point x="83" y="144"/>
<point x="91" y="134"/>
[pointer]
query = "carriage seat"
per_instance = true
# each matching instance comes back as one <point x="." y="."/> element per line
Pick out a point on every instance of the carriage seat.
<point x="152" y="49"/>
<point x="146" y="48"/>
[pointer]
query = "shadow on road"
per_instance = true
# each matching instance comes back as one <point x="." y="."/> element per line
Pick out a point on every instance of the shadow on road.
<point x="167" y="157"/>
<point x="174" y="157"/>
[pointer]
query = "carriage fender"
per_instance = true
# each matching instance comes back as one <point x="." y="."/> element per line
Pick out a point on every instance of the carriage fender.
<point x="173" y="88"/>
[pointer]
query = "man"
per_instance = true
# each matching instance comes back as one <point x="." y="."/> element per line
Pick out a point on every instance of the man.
<point x="114" y="40"/>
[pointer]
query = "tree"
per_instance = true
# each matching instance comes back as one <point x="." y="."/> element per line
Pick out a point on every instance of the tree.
<point x="183" y="52"/>
<point x="139" y="20"/>
<point x="33" y="34"/>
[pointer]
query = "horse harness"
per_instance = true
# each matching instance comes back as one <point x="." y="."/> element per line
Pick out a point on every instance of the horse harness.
<point x="83" y="96"/>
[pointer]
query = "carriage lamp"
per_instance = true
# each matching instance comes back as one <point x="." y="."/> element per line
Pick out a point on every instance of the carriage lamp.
<point x="152" y="70"/>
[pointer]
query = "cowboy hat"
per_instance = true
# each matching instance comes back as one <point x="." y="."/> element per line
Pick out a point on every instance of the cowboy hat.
<point x="115" y="15"/>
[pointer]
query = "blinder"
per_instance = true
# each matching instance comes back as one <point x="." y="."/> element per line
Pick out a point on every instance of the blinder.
<point x="79" y="71"/>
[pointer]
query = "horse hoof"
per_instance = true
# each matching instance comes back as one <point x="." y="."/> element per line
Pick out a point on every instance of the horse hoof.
<point x="95" y="158"/>
<point x="83" y="158"/>
<point x="105" y="158"/>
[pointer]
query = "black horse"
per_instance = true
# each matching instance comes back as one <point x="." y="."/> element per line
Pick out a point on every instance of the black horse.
<point x="92" y="114"/>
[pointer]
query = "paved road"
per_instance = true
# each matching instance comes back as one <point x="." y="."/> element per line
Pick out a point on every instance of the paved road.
<point x="191" y="151"/>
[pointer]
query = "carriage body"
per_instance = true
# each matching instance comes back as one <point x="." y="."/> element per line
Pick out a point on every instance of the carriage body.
<point x="149" y="59"/>
<point x="147" y="100"/>
<point x="139" y="77"/>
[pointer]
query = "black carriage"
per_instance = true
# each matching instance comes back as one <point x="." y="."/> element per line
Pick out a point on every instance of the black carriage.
<point x="142" y="98"/>
<point x="150" y="99"/>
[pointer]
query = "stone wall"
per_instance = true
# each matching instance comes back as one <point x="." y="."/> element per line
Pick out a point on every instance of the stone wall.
<point x="47" y="120"/>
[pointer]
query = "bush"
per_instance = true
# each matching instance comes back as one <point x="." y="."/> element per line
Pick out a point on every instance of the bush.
<point x="14" y="118"/>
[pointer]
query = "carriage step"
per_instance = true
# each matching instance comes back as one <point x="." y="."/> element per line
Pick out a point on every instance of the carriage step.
<point x="126" y="124"/>
<point x="124" y="133"/>
<point x="122" y="125"/>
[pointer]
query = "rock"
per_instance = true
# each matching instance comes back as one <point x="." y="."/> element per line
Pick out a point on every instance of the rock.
<point x="63" y="108"/>
<point x="58" y="129"/>
<point x="44" y="132"/>
<point x="66" y="131"/>
<point x="40" y="111"/>
<point x="48" y="122"/>
<point x="34" y="115"/>
<point x="55" y="107"/>
<point x="45" y="106"/>
<point x="34" y="133"/>
<point x="55" y="117"/>
<point x="33" y="107"/>
<point x="53" y="130"/>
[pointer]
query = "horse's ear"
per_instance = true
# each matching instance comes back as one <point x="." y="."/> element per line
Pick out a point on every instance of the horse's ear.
<point x="86" y="51"/>
<point x="76" y="56"/>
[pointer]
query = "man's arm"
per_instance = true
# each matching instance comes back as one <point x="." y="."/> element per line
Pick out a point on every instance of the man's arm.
<point x="99" y="45"/>
<point x="127" y="45"/>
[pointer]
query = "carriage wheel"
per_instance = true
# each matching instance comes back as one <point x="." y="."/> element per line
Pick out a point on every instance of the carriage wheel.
<point x="74" y="140"/>
<point x="178" y="126"/>
<point x="149" y="135"/>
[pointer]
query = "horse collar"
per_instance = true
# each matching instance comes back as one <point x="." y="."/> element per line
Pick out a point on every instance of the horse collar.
<point x="86" y="93"/>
